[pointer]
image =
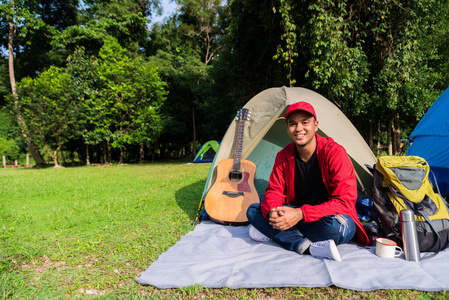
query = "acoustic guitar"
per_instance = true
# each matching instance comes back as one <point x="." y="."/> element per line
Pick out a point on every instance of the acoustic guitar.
<point x="233" y="191"/>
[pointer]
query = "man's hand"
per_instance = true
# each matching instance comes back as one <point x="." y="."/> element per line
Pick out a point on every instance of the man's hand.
<point x="284" y="217"/>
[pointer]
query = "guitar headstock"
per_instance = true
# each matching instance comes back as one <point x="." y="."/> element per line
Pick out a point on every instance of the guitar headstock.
<point x="243" y="114"/>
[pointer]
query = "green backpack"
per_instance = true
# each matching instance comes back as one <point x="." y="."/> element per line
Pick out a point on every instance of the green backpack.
<point x="402" y="182"/>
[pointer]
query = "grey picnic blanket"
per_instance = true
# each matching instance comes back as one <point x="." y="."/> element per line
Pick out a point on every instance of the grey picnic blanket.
<point x="216" y="256"/>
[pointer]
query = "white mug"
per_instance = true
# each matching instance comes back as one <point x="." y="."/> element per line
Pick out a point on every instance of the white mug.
<point x="387" y="248"/>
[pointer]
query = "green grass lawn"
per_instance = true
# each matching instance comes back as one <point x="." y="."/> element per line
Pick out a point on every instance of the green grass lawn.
<point x="90" y="231"/>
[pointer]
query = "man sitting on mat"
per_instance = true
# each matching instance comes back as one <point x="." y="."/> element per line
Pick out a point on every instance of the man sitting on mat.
<point x="309" y="203"/>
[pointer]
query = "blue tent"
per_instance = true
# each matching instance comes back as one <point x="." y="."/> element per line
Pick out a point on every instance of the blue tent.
<point x="430" y="140"/>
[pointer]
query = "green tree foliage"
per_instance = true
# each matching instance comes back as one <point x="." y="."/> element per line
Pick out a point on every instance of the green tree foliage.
<point x="402" y="79"/>
<point x="6" y="124"/>
<point x="382" y="62"/>
<point x="47" y="105"/>
<point x="250" y="61"/>
<point x="27" y="27"/>
<point x="286" y="54"/>
<point x="5" y="86"/>
<point x="129" y="101"/>
<point x="9" y="147"/>
<point x="373" y="59"/>
<point x="337" y="64"/>
<point x="36" y="23"/>
<point x="126" y="20"/>
<point x="86" y="87"/>
<point x="441" y="38"/>
<point x="184" y="48"/>
<point x="113" y="100"/>
<point x="252" y="39"/>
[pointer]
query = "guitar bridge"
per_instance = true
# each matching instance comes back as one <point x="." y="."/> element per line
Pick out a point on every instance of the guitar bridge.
<point x="233" y="194"/>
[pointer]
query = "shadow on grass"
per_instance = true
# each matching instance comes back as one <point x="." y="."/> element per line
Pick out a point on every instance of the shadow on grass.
<point x="189" y="198"/>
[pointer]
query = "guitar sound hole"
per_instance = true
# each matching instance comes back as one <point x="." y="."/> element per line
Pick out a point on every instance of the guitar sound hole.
<point x="235" y="176"/>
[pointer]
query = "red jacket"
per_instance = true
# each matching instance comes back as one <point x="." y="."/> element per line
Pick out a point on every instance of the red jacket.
<point x="338" y="177"/>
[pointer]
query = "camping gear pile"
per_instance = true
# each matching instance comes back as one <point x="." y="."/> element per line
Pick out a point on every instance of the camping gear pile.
<point x="402" y="183"/>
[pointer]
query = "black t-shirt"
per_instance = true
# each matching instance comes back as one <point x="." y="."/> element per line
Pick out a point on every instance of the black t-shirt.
<point x="309" y="185"/>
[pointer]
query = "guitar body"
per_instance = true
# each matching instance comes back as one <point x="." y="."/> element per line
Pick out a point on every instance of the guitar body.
<point x="232" y="193"/>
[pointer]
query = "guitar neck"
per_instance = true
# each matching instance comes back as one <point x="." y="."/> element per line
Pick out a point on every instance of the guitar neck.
<point x="239" y="145"/>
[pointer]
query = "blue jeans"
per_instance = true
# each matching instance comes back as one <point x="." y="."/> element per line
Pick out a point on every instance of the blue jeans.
<point x="340" y="228"/>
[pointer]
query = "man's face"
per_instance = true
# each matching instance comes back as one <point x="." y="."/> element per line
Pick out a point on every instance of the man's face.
<point x="301" y="128"/>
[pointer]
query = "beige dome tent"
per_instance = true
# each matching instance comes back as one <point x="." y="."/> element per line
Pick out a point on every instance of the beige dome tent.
<point x="265" y="134"/>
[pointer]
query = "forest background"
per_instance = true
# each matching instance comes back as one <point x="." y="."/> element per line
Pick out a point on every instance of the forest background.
<point x="98" y="81"/>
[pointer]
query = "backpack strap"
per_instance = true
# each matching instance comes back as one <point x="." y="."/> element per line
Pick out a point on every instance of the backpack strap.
<point x="438" y="188"/>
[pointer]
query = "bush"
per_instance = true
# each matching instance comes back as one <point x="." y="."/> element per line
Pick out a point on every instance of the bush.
<point x="9" y="149"/>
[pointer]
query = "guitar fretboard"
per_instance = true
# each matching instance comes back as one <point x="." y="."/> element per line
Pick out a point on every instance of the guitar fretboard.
<point x="239" y="145"/>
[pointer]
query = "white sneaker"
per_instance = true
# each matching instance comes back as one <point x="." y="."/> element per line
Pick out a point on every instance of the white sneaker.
<point x="325" y="249"/>
<point x="257" y="235"/>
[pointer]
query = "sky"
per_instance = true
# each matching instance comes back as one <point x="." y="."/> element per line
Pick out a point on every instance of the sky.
<point x="168" y="7"/>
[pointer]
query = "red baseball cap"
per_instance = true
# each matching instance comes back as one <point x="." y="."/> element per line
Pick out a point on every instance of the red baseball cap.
<point x="304" y="106"/>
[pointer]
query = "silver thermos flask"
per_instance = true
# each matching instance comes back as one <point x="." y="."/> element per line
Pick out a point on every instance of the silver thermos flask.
<point x="409" y="235"/>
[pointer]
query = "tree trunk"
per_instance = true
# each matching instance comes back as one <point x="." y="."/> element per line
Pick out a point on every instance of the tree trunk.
<point x="396" y="135"/>
<point x="121" y="156"/>
<point x="194" y="134"/>
<point x="54" y="154"/>
<point x="103" y="153"/>
<point x="370" y="137"/>
<point x="37" y="156"/>
<point x="108" y="146"/>
<point x="64" y="162"/>
<point x="55" y="157"/>
<point x="141" y="153"/>
<point x="390" y="136"/>
<point x="87" y="155"/>
<point x="153" y="154"/>
<point x="378" y="138"/>
<point x="31" y="146"/>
